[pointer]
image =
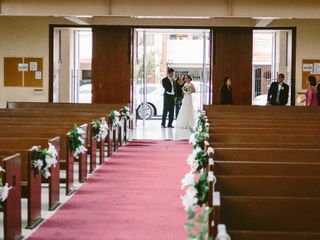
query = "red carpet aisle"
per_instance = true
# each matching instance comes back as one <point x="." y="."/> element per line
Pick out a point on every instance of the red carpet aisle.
<point x="135" y="195"/>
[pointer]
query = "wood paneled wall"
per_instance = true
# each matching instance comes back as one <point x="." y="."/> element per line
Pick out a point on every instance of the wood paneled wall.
<point x="111" y="64"/>
<point x="232" y="57"/>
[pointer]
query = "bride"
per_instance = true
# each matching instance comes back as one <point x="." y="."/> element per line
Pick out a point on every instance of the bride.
<point x="186" y="116"/>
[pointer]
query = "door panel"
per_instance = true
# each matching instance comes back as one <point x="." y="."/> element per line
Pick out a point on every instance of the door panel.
<point x="232" y="57"/>
<point x="111" y="64"/>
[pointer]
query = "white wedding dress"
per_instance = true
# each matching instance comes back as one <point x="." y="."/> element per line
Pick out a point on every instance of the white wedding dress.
<point x="186" y="116"/>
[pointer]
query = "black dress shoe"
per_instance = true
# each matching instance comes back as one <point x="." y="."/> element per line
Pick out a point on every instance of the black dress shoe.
<point x="163" y="126"/>
<point x="170" y="126"/>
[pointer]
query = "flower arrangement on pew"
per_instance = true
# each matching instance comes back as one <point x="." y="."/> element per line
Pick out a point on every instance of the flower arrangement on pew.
<point x="196" y="184"/>
<point x="200" y="131"/>
<point x="125" y="113"/>
<point x="100" y="129"/>
<point x="114" y="118"/>
<point x="4" y="190"/>
<point x="44" y="159"/>
<point x="76" y="141"/>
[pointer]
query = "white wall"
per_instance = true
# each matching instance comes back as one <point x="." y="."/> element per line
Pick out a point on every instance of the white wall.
<point x="25" y="37"/>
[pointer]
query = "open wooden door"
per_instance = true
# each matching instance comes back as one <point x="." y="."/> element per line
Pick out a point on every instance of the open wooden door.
<point x="232" y="57"/>
<point x="111" y="64"/>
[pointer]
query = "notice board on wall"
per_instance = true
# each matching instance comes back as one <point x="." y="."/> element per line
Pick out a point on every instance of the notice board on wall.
<point x="23" y="72"/>
<point x="309" y="67"/>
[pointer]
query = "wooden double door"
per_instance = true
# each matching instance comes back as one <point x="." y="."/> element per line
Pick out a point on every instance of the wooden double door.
<point x="112" y="65"/>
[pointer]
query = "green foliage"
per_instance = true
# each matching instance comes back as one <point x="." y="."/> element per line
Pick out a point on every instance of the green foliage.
<point x="197" y="226"/>
<point x="202" y="189"/>
<point x="40" y="155"/>
<point x="96" y="127"/>
<point x="125" y="113"/>
<point x="202" y="158"/>
<point x="74" y="138"/>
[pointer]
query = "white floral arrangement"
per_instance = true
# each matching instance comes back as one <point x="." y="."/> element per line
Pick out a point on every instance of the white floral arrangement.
<point x="189" y="200"/>
<point x="199" y="132"/>
<point x="44" y="159"/>
<point x="186" y="88"/>
<point x="125" y="113"/>
<point x="100" y="129"/>
<point x="76" y="141"/>
<point x="114" y="118"/>
<point x="196" y="181"/>
<point x="4" y="190"/>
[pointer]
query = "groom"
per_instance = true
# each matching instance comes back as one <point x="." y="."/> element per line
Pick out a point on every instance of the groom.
<point x="168" y="98"/>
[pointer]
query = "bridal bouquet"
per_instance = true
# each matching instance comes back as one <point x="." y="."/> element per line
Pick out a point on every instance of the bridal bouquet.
<point x="186" y="88"/>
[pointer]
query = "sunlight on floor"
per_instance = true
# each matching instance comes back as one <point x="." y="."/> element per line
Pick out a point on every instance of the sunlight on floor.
<point x="152" y="130"/>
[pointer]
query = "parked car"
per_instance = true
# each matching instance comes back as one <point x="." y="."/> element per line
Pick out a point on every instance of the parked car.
<point x="154" y="101"/>
<point x="85" y="93"/>
<point x="260" y="100"/>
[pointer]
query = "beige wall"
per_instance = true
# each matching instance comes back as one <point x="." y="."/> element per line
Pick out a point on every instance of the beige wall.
<point x="210" y="8"/>
<point x="24" y="37"/>
<point x="29" y="37"/>
<point x="307" y="46"/>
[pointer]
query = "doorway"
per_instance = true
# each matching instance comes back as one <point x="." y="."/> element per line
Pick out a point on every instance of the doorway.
<point x="272" y="54"/>
<point x="187" y="51"/>
<point x="72" y="57"/>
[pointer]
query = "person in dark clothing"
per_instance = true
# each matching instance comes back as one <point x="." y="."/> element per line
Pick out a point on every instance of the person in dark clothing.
<point x="226" y="92"/>
<point x="168" y="98"/>
<point x="278" y="92"/>
<point x="178" y="84"/>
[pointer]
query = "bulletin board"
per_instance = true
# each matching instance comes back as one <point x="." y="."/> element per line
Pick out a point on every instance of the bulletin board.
<point x="12" y="77"/>
<point x="309" y="67"/>
<point x="23" y="72"/>
<point x="33" y="77"/>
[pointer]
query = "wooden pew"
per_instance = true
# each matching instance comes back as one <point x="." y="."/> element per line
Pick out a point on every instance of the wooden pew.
<point x="268" y="154"/>
<point x="12" y="206"/>
<point x="266" y="158"/>
<point x="30" y="181"/>
<point x="259" y="109"/>
<point x="266" y="138"/>
<point x="48" y="129"/>
<point x="78" y="107"/>
<point x="272" y="186"/>
<point x="282" y="217"/>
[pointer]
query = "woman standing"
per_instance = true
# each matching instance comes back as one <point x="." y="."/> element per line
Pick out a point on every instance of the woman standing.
<point x="226" y="92"/>
<point x="186" y="116"/>
<point x="311" y="93"/>
<point x="178" y="84"/>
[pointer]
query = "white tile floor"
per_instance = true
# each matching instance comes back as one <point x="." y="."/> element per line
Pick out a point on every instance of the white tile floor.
<point x="150" y="130"/>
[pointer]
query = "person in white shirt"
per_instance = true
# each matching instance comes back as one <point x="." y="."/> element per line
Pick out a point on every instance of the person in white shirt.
<point x="168" y="99"/>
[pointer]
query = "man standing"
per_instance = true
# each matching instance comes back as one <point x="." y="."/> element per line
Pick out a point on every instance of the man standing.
<point x="168" y="98"/>
<point x="278" y="92"/>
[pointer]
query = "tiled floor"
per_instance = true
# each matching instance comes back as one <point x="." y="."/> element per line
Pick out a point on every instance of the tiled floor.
<point x="152" y="130"/>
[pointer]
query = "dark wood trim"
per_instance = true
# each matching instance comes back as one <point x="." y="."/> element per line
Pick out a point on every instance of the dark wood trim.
<point x="293" y="60"/>
<point x="51" y="42"/>
<point x="293" y="67"/>
<point x="211" y="66"/>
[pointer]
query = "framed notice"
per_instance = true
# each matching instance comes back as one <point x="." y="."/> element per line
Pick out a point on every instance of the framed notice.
<point x="309" y="67"/>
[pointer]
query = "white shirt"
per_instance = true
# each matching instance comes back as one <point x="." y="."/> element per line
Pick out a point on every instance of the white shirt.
<point x="172" y="88"/>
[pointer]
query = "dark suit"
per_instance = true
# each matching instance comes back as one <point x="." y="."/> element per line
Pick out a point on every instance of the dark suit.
<point x="168" y="101"/>
<point x="318" y="89"/>
<point x="225" y="95"/>
<point x="283" y="96"/>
